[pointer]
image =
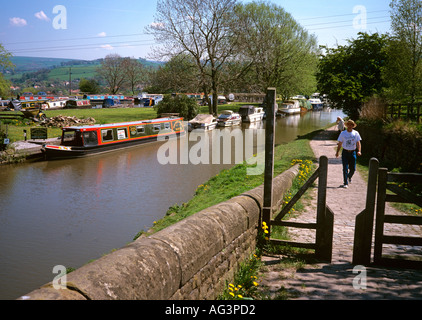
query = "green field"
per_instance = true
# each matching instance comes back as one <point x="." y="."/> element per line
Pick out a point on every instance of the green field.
<point x="59" y="72"/>
<point x="78" y="72"/>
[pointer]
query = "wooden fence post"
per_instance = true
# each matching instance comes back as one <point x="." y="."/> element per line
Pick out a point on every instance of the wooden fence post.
<point x="379" y="222"/>
<point x="323" y="237"/>
<point x="365" y="220"/>
<point x="269" y="158"/>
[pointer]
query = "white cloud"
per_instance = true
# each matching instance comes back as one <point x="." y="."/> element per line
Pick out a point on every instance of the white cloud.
<point x="102" y="34"/>
<point x="42" y="16"/>
<point x="17" y="22"/>
<point x="107" y="47"/>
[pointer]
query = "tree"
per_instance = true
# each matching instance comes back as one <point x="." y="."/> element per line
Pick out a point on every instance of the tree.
<point x="351" y="74"/>
<point x="5" y="63"/>
<point x="89" y="86"/>
<point x="183" y="105"/>
<point x="135" y="73"/>
<point x="179" y="74"/>
<point x="112" y="69"/>
<point x="204" y="29"/>
<point x="404" y="70"/>
<point x="283" y="54"/>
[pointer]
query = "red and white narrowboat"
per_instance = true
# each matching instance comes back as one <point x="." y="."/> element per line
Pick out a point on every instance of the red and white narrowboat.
<point x="79" y="141"/>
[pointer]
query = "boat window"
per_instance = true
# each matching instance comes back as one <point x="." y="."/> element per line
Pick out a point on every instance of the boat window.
<point x="71" y="138"/>
<point x="140" y="129"/>
<point x="167" y="125"/>
<point x="90" y="138"/>
<point x="107" y="135"/>
<point x="157" y="127"/>
<point x="121" y="133"/>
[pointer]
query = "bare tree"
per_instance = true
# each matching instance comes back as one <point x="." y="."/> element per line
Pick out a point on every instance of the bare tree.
<point x="135" y="73"/>
<point x="202" y="28"/>
<point x="179" y="74"/>
<point x="112" y="69"/>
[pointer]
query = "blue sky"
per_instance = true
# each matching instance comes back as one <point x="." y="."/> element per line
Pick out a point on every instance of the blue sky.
<point x="92" y="29"/>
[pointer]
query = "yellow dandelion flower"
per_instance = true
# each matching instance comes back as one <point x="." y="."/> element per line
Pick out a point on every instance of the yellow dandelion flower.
<point x="240" y="296"/>
<point x="231" y="293"/>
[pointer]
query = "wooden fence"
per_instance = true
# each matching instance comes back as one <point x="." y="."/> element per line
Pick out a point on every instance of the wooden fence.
<point x="324" y="224"/>
<point x="404" y="111"/>
<point x="391" y="181"/>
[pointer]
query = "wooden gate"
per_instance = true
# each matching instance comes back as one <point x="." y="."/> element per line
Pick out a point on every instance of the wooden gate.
<point x="376" y="199"/>
<point x="391" y="181"/>
<point x="324" y="217"/>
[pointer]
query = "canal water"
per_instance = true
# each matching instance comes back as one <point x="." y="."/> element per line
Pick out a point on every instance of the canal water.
<point x="68" y="212"/>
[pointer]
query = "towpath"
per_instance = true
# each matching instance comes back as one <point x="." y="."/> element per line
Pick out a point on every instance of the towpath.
<point x="335" y="281"/>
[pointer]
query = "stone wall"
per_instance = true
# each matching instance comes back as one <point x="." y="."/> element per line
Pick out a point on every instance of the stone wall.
<point x="189" y="260"/>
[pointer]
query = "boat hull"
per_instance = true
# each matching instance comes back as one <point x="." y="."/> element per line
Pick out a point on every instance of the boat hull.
<point x="289" y="111"/>
<point x="229" y="123"/>
<point x="52" y="152"/>
<point x="254" y="117"/>
<point x="200" y="126"/>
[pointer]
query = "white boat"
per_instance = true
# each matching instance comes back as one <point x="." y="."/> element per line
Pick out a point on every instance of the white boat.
<point x="203" y="121"/>
<point x="290" y="107"/>
<point x="228" y="118"/>
<point x="251" y="113"/>
<point x="316" y="103"/>
<point x="54" y="104"/>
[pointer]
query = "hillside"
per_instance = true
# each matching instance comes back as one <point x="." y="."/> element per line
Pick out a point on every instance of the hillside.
<point x="28" y="64"/>
<point x="59" y="68"/>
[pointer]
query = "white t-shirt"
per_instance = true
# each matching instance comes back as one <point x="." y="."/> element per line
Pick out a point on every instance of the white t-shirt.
<point x="349" y="139"/>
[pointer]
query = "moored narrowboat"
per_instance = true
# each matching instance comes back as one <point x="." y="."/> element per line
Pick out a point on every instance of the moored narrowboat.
<point x="79" y="141"/>
<point x="78" y="104"/>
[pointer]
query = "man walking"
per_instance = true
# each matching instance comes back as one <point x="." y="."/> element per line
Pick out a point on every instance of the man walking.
<point x="349" y="140"/>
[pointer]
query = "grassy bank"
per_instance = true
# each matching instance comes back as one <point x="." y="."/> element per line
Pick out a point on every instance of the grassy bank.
<point x="232" y="182"/>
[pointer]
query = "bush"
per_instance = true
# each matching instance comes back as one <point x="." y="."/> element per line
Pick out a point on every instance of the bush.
<point x="395" y="144"/>
<point x="181" y="104"/>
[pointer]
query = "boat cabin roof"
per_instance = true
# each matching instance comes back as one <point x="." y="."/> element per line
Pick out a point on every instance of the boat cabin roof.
<point x="203" y="118"/>
<point x="120" y="124"/>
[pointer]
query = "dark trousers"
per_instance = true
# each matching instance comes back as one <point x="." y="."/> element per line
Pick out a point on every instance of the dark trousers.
<point x="349" y="164"/>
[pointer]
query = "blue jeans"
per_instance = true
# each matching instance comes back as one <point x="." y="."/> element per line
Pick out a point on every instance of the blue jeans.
<point x="349" y="164"/>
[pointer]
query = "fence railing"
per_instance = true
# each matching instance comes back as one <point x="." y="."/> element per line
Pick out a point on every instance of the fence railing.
<point x="389" y="181"/>
<point x="324" y="224"/>
<point x="404" y="111"/>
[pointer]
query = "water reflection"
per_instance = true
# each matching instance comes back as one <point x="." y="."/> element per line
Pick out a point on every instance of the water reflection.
<point x="68" y="212"/>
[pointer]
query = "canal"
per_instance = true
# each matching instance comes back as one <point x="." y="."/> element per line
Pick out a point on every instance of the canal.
<point x="68" y="212"/>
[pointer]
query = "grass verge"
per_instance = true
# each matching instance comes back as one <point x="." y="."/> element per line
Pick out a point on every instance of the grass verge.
<point x="233" y="182"/>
